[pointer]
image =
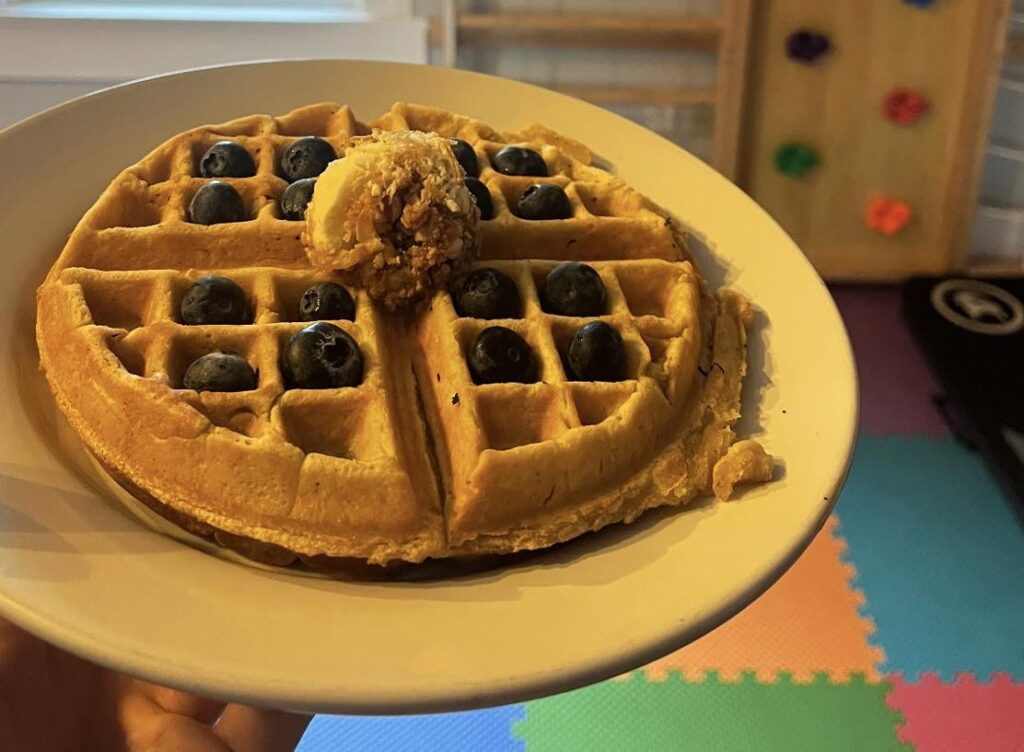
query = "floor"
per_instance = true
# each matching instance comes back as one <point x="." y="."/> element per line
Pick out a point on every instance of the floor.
<point x="900" y="627"/>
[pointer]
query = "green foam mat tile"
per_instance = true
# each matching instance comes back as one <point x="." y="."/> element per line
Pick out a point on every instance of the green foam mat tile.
<point x="714" y="715"/>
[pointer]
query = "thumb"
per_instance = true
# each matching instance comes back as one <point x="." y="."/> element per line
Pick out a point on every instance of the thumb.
<point x="245" y="729"/>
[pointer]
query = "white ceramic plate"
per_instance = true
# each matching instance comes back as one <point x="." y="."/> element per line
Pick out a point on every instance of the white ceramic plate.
<point x="80" y="572"/>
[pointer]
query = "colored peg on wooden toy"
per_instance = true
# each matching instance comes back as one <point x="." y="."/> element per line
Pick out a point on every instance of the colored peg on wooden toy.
<point x="888" y="215"/>
<point x="904" y="106"/>
<point x="795" y="159"/>
<point x="807" y="46"/>
<point x="920" y="3"/>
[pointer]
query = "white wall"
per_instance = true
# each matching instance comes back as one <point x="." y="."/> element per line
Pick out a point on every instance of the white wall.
<point x="44" y="61"/>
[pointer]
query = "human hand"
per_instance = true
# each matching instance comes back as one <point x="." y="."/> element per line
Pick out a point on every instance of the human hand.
<point x="52" y="700"/>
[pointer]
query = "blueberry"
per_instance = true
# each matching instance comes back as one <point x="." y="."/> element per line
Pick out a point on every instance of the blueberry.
<point x="596" y="353"/>
<point x="326" y="301"/>
<point x="322" y="356"/>
<point x="226" y="159"/>
<point x="544" y="201"/>
<point x="215" y="300"/>
<point x="487" y="294"/>
<point x="220" y="372"/>
<point x="466" y="156"/>
<point x="573" y="289"/>
<point x="296" y="197"/>
<point x="482" y="195"/>
<point x="515" y="160"/>
<point x="216" y="202"/>
<point x="306" y="158"/>
<point x="499" y="355"/>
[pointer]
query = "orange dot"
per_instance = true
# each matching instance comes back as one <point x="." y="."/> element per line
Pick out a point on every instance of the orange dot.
<point x="888" y="215"/>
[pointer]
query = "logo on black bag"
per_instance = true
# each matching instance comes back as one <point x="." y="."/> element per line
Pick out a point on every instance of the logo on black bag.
<point x="978" y="306"/>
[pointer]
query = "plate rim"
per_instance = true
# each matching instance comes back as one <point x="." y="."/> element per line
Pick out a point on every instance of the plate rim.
<point x="459" y="698"/>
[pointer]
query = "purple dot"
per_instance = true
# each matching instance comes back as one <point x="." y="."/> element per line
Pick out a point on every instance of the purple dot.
<point x="807" y="46"/>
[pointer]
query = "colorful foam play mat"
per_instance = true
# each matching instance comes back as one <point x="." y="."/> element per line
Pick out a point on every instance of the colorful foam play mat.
<point x="901" y="627"/>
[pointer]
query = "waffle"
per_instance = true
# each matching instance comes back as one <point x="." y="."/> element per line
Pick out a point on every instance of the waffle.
<point x="610" y="220"/>
<point x="417" y="461"/>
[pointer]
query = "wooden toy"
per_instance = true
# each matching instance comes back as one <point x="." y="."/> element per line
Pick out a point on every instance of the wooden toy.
<point x="898" y="110"/>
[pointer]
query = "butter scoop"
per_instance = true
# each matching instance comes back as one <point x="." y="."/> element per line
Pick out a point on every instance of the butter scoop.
<point x="394" y="216"/>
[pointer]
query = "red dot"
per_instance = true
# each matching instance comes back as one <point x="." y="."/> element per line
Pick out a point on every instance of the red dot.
<point x="888" y="215"/>
<point x="904" y="106"/>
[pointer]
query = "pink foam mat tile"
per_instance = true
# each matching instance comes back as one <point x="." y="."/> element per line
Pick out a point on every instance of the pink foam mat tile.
<point x="964" y="714"/>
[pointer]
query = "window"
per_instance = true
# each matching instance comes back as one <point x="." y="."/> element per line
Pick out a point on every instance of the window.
<point x="208" y="10"/>
<point x="94" y="43"/>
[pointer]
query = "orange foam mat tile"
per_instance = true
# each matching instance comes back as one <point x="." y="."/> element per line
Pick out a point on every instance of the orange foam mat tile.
<point x="808" y="622"/>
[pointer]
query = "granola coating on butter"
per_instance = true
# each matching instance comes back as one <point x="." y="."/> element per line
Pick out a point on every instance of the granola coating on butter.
<point x="394" y="216"/>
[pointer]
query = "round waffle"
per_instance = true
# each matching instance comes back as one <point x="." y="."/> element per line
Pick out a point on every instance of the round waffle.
<point x="417" y="461"/>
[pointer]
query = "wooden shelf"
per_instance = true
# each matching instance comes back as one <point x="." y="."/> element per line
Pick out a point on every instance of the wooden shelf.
<point x="724" y="36"/>
<point x="585" y="30"/>
<point x="651" y="95"/>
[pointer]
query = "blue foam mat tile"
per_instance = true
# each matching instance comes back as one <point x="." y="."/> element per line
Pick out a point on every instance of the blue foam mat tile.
<point x="939" y="553"/>
<point x="474" y="731"/>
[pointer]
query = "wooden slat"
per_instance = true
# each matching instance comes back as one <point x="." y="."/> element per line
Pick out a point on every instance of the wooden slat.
<point x="651" y="95"/>
<point x="447" y="33"/>
<point x="585" y="30"/>
<point x="732" y="73"/>
<point x="995" y="268"/>
<point x="619" y="23"/>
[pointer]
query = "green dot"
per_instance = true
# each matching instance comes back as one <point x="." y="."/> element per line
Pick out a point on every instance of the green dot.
<point x="796" y="159"/>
